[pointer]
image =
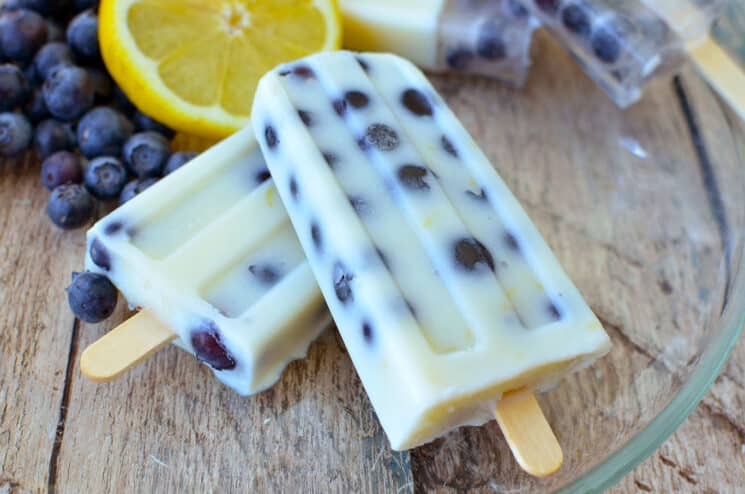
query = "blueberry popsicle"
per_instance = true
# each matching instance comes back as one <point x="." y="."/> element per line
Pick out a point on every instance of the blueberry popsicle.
<point x="210" y="251"/>
<point x="623" y="43"/>
<point x="444" y="292"/>
<point x="486" y="37"/>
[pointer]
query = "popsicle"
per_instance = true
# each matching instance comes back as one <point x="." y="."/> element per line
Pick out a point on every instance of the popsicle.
<point x="209" y="254"/>
<point x="444" y="292"/>
<point x="486" y="37"/>
<point x="624" y="43"/>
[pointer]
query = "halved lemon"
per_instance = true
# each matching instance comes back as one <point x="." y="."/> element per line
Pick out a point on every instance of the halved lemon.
<point x="195" y="64"/>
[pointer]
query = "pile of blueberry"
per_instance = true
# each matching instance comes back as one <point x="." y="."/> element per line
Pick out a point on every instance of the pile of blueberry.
<point x="57" y="98"/>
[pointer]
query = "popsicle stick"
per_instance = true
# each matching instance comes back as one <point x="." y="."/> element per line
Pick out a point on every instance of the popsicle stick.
<point x="531" y="439"/>
<point x="124" y="347"/>
<point x="722" y="72"/>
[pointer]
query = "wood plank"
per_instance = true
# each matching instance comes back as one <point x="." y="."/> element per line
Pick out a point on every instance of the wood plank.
<point x="36" y="260"/>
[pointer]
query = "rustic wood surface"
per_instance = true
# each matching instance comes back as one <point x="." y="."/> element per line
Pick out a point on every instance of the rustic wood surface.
<point x="644" y="238"/>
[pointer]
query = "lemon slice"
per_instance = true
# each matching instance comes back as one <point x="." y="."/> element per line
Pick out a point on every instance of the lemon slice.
<point x="195" y="64"/>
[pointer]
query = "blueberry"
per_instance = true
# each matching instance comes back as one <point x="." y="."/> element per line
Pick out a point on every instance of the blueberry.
<point x="553" y="311"/>
<point x="459" y="58"/>
<point x="315" y="234"/>
<point x="511" y="242"/>
<point x="209" y="348"/>
<point x="550" y="6"/>
<point x="413" y="177"/>
<point x="15" y="134"/>
<point x="14" y="88"/>
<point x="575" y="19"/>
<point x="51" y="55"/>
<point x="305" y="117"/>
<point x="490" y="44"/>
<point x="356" y="99"/>
<point x="416" y="102"/>
<point x="270" y="136"/>
<point x="605" y="44"/>
<point x="102" y="84"/>
<point x="105" y="177"/>
<point x="448" y="146"/>
<point x="35" y="109"/>
<point x="480" y="196"/>
<point x="367" y="332"/>
<point x="134" y="188"/>
<point x="146" y="153"/>
<point x="62" y="167"/>
<point x="102" y="132"/>
<point x="265" y="273"/>
<point x="180" y="158"/>
<point x="82" y="36"/>
<point x="382" y="137"/>
<point x="92" y="297"/>
<point x="144" y="123"/>
<point x="121" y="102"/>
<point x="342" y="279"/>
<point x="293" y="188"/>
<point x="70" y="206"/>
<point x="261" y="176"/>
<point x="470" y="254"/>
<point x="100" y="254"/>
<point x="299" y="71"/>
<point x="340" y="107"/>
<point x="68" y="92"/>
<point x="52" y="136"/>
<point x="22" y="33"/>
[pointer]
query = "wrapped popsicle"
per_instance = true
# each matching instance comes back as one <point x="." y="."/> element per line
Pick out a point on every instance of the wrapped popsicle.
<point x="210" y="256"/>
<point x="443" y="290"/>
<point x="486" y="37"/>
<point x="624" y="43"/>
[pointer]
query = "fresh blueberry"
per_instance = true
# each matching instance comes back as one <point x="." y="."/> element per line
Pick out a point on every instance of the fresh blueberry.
<point x="51" y="55"/>
<point x="144" y="123"/>
<point x="35" y="109"/>
<point x="179" y="159"/>
<point x="575" y="19"/>
<point x="92" y="297"/>
<point x="68" y="92"/>
<point x="82" y="36"/>
<point x="14" y="88"/>
<point x="135" y="187"/>
<point x="102" y="83"/>
<point x="70" y="206"/>
<point x="22" y="33"/>
<point x="121" y="102"/>
<point x="209" y="348"/>
<point x="490" y="44"/>
<point x="605" y="44"/>
<point x="105" y="177"/>
<point x="15" y="134"/>
<point x="63" y="167"/>
<point x="102" y="132"/>
<point x="146" y="153"/>
<point x="52" y="136"/>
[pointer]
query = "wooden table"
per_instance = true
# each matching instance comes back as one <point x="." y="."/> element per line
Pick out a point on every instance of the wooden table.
<point x="168" y="426"/>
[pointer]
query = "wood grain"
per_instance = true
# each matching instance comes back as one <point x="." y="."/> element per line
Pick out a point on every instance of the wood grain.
<point x="625" y="201"/>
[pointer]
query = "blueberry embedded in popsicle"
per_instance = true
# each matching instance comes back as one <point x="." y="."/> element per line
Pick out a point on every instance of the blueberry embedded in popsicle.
<point x="576" y="20"/>
<point x="490" y="44"/>
<point x="356" y="99"/>
<point x="299" y="71"/>
<point x="113" y="228"/>
<point x="100" y="255"/>
<point x="416" y="102"/>
<point x="382" y="137"/>
<point x="481" y="196"/>
<point x="316" y="236"/>
<point x="470" y="254"/>
<point x="270" y="136"/>
<point x="553" y="311"/>
<point x="294" y="191"/>
<point x="367" y="332"/>
<point x="306" y="117"/>
<point x="265" y="273"/>
<point x="413" y="177"/>
<point x="341" y="279"/>
<point x="262" y="176"/>
<point x="605" y="44"/>
<point x="511" y="242"/>
<point x="448" y="146"/>
<point x="209" y="348"/>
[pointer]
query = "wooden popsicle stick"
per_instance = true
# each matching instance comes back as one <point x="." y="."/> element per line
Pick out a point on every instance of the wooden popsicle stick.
<point x="124" y="347"/>
<point x="531" y="439"/>
<point x="722" y="72"/>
